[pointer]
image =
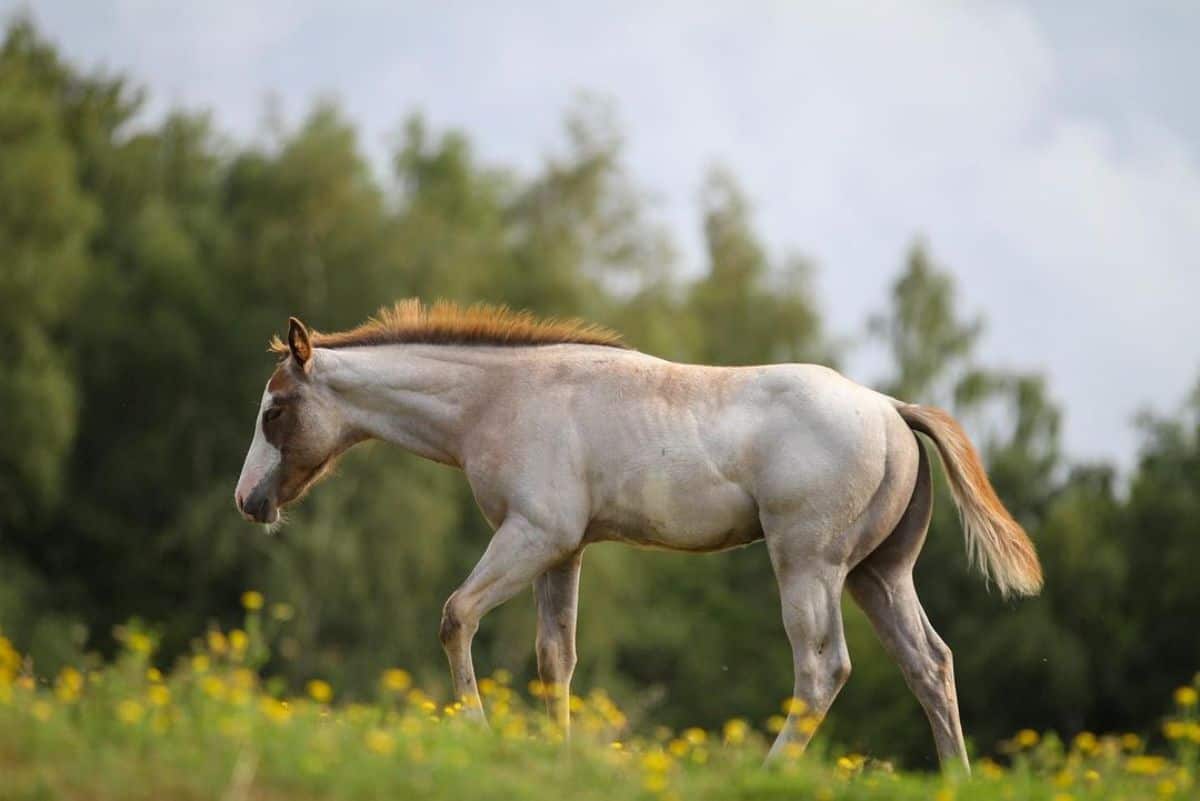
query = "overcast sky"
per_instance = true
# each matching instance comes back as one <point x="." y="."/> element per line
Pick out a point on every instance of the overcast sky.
<point x="1049" y="153"/>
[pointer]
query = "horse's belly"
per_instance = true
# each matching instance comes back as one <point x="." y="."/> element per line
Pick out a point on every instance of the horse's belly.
<point x="666" y="508"/>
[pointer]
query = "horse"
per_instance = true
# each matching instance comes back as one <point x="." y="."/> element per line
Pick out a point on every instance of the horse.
<point x="567" y="436"/>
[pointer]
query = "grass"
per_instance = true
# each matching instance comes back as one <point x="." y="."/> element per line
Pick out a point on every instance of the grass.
<point x="214" y="729"/>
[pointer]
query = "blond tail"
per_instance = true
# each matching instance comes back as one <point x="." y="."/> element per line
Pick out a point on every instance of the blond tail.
<point x="995" y="542"/>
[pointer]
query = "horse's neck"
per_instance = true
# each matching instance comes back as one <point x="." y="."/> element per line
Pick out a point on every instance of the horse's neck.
<point x="416" y="397"/>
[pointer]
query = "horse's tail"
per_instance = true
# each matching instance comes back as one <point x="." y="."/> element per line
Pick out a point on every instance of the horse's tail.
<point x="995" y="542"/>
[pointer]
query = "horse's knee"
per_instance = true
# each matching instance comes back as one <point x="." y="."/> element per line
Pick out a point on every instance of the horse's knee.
<point x="556" y="656"/>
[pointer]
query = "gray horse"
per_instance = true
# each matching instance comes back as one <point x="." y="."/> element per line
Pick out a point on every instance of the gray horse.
<point x="567" y="438"/>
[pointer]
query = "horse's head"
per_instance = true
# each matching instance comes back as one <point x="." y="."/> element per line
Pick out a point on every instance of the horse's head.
<point x="298" y="434"/>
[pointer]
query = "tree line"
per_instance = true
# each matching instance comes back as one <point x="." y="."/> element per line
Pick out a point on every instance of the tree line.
<point x="144" y="265"/>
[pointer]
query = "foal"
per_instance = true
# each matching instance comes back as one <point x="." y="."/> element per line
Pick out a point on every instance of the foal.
<point x="568" y="438"/>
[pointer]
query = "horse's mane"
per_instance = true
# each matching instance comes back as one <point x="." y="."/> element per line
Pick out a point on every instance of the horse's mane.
<point x="448" y="323"/>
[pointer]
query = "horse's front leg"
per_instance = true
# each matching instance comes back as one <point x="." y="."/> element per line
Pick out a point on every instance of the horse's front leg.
<point x="557" y="595"/>
<point x="518" y="553"/>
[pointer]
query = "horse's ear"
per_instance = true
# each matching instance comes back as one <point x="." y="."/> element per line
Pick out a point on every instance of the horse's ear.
<point x="299" y="343"/>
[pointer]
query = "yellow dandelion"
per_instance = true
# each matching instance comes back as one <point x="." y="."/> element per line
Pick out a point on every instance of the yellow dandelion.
<point x="735" y="731"/>
<point x="129" y="712"/>
<point x="1166" y="788"/>
<point x="1063" y="797"/>
<point x="159" y="695"/>
<point x="139" y="643"/>
<point x="275" y="710"/>
<point x="1145" y="765"/>
<point x="488" y="686"/>
<point x="1086" y="742"/>
<point x="1186" y="696"/>
<point x="657" y="761"/>
<point x="695" y="735"/>
<point x="68" y="685"/>
<point x="1131" y="742"/>
<point x="944" y="794"/>
<point x="397" y="680"/>
<point x="1091" y="776"/>
<point x="1175" y="729"/>
<point x="775" y="723"/>
<point x="214" y="688"/>
<point x="239" y="641"/>
<point x="252" y="600"/>
<point x="677" y="748"/>
<point x="538" y="689"/>
<point x="320" y="691"/>
<point x="217" y="642"/>
<point x="42" y="710"/>
<point x="1027" y="738"/>
<point x="200" y="663"/>
<point x="282" y="612"/>
<point x="154" y="675"/>
<point x="794" y="706"/>
<point x="379" y="741"/>
<point x="502" y="676"/>
<point x="990" y="769"/>
<point x="809" y="724"/>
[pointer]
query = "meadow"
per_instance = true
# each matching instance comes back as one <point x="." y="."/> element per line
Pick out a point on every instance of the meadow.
<point x="218" y="725"/>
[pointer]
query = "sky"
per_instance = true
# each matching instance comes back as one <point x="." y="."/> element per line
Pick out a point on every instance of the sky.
<point x="1047" y="153"/>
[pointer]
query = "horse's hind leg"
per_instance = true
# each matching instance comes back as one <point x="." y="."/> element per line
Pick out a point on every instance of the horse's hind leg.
<point x="882" y="585"/>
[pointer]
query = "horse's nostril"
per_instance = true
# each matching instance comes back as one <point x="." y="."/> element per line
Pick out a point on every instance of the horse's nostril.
<point x="237" y="500"/>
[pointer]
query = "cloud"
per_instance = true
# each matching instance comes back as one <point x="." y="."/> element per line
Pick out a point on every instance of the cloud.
<point x="1069" y="214"/>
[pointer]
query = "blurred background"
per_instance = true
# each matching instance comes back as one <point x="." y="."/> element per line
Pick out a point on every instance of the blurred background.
<point x="993" y="207"/>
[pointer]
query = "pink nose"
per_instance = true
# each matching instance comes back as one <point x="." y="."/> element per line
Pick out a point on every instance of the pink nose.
<point x="237" y="499"/>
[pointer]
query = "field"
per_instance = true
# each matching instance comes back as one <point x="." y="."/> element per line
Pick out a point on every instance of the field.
<point x="214" y="728"/>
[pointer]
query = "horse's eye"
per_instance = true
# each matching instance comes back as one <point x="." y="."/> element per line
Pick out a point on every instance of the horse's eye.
<point x="272" y="413"/>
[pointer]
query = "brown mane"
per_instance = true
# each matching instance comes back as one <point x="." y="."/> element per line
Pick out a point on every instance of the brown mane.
<point x="448" y="323"/>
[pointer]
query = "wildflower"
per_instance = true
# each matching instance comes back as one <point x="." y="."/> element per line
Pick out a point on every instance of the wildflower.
<point x="282" y="612"/>
<point x="1063" y="797"/>
<point x="537" y="689"/>
<point x="795" y="706"/>
<point x="990" y="769"/>
<point x="319" y="691"/>
<point x="252" y="600"/>
<point x="217" y="643"/>
<point x="1145" y="765"/>
<point x="200" y="663"/>
<point x="379" y="741"/>
<point x="944" y="794"/>
<point x="487" y="686"/>
<point x="68" y="685"/>
<point x="1166" y="788"/>
<point x="1027" y="738"/>
<point x="159" y="695"/>
<point x="656" y="761"/>
<point x="808" y="724"/>
<point x="214" y="688"/>
<point x="677" y="748"/>
<point x="1175" y="729"/>
<point x="129" y="712"/>
<point x="139" y="643"/>
<point x="502" y="676"/>
<point x="238" y="642"/>
<point x="397" y="680"/>
<point x="1186" y="696"/>
<point x="275" y="710"/>
<point x="695" y="735"/>
<point x="735" y="731"/>
<point x="1086" y="742"/>
<point x="154" y="675"/>
<point x="1091" y="776"/>
<point x="1131" y="742"/>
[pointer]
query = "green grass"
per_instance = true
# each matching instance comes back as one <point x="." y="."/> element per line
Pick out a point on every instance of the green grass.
<point x="213" y="729"/>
